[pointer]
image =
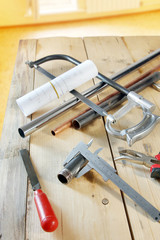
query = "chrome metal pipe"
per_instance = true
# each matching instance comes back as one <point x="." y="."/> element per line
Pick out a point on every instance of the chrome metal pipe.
<point x="45" y="118"/>
<point x="39" y="122"/>
<point x="71" y="169"/>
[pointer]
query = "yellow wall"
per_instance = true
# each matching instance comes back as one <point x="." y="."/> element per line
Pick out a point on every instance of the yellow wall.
<point x="15" y="12"/>
<point x="12" y="12"/>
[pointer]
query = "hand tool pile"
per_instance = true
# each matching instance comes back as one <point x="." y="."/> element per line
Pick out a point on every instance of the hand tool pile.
<point x="81" y="160"/>
<point x="130" y="135"/>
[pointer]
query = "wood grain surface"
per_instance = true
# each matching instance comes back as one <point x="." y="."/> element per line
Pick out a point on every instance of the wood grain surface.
<point x="78" y="205"/>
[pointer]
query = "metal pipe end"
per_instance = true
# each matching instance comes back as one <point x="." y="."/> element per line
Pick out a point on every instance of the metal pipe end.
<point x="76" y="124"/>
<point x="53" y="132"/>
<point x="21" y="132"/>
<point x="64" y="176"/>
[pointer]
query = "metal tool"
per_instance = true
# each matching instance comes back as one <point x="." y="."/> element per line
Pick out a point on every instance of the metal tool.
<point x="80" y="160"/>
<point x="139" y="158"/>
<point x="47" y="217"/>
<point x="137" y="132"/>
<point x="134" y="133"/>
<point x="131" y="134"/>
<point x="45" y="118"/>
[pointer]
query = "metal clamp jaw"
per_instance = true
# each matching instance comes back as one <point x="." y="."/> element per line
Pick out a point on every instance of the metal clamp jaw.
<point x="140" y="130"/>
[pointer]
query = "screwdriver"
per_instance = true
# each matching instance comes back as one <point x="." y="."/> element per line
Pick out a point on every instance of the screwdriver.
<point x="47" y="217"/>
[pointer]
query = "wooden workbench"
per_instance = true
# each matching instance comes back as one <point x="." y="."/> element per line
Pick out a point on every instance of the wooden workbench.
<point x="78" y="206"/>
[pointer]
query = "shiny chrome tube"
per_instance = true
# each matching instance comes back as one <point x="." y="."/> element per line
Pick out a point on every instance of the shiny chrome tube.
<point x="39" y="122"/>
<point x="45" y="118"/>
<point x="71" y="169"/>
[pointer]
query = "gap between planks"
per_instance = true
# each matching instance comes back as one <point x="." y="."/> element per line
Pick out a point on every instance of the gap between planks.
<point x="111" y="152"/>
<point x="27" y="188"/>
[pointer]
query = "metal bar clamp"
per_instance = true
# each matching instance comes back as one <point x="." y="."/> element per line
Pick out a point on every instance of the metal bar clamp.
<point x="140" y="130"/>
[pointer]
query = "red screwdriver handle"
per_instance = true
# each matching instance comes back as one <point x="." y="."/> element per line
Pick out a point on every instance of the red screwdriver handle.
<point x="47" y="217"/>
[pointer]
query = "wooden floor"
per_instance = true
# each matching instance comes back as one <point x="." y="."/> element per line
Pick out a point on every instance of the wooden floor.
<point x="78" y="206"/>
<point x="130" y="25"/>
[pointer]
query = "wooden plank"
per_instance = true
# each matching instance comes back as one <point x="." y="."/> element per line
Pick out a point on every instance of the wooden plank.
<point x="110" y="56"/>
<point x="13" y="178"/>
<point x="149" y="145"/>
<point x="78" y="206"/>
<point x="143" y="227"/>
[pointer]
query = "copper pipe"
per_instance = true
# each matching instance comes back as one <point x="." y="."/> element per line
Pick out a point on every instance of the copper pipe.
<point x="62" y="127"/>
<point x="68" y="123"/>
